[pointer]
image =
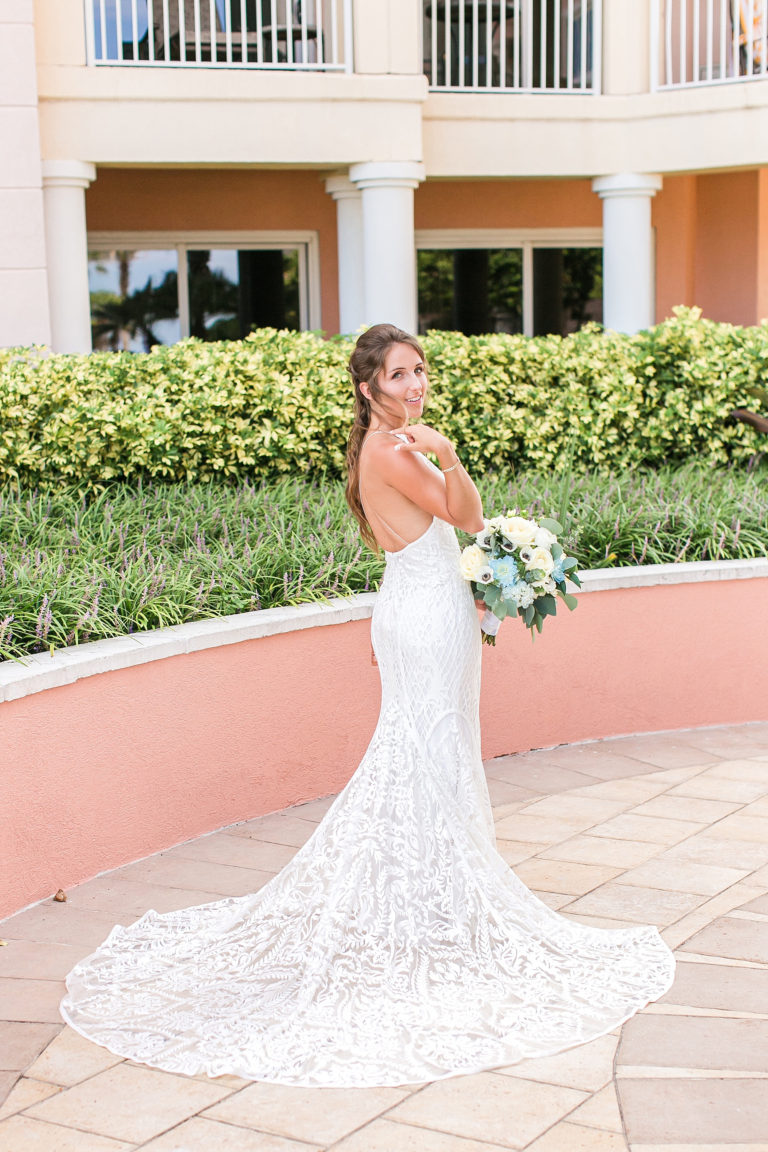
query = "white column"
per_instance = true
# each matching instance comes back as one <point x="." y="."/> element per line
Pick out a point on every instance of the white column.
<point x="64" y="185"/>
<point x="628" y="252"/>
<point x="389" y="249"/>
<point x="349" y="229"/>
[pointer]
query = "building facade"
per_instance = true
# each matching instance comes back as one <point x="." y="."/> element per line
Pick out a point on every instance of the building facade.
<point x="177" y="167"/>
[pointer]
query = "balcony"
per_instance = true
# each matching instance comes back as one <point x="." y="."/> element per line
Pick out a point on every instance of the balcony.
<point x="698" y="42"/>
<point x="513" y="45"/>
<point x="298" y="35"/>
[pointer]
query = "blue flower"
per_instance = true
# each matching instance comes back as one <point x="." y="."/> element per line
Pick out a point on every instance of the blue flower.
<point x="505" y="571"/>
<point x="557" y="572"/>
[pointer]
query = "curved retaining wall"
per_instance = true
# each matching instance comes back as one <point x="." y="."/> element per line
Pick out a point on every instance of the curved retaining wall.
<point x="117" y="749"/>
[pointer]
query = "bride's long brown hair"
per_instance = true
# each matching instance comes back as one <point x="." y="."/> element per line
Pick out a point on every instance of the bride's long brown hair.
<point x="365" y="366"/>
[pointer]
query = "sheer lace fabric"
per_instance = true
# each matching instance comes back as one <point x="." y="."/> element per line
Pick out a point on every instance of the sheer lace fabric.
<point x="397" y="946"/>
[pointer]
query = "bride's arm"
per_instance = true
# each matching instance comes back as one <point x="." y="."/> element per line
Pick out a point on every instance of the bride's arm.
<point x="449" y="494"/>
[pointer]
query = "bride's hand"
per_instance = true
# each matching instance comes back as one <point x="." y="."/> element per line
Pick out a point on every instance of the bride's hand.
<point x="422" y="438"/>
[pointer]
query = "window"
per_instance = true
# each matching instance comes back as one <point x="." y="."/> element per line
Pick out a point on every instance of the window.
<point x="529" y="283"/>
<point x="225" y="290"/>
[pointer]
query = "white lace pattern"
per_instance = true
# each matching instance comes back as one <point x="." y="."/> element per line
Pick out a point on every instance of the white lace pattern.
<point x="397" y="946"/>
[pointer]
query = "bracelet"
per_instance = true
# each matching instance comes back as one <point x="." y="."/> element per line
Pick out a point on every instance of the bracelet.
<point x="444" y="470"/>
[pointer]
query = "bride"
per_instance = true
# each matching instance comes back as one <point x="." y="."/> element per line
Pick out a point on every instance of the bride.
<point x="397" y="946"/>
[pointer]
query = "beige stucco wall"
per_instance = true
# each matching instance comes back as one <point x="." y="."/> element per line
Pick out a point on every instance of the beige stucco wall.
<point x="23" y="282"/>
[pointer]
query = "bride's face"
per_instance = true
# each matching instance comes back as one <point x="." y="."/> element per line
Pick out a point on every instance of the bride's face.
<point x="402" y="383"/>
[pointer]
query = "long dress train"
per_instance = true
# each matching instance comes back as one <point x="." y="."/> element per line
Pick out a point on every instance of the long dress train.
<point x="397" y="946"/>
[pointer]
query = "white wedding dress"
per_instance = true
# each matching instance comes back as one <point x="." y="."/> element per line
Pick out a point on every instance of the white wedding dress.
<point x="397" y="946"/>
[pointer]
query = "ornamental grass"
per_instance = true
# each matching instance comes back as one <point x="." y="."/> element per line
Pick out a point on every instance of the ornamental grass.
<point x="78" y="564"/>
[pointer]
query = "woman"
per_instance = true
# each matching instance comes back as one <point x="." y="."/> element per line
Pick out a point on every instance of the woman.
<point x="397" y="946"/>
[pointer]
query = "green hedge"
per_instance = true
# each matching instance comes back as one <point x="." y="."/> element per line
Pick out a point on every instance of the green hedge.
<point x="279" y="403"/>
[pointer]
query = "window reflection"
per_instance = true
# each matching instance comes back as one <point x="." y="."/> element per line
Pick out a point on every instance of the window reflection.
<point x="134" y="299"/>
<point x="231" y="292"/>
<point x="471" y="290"/>
<point x="480" y="290"/>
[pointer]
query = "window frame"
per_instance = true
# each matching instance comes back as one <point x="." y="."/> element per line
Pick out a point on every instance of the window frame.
<point x="305" y="242"/>
<point x="522" y="238"/>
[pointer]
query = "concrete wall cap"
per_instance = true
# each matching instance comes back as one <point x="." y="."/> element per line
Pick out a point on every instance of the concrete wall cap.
<point x="38" y="672"/>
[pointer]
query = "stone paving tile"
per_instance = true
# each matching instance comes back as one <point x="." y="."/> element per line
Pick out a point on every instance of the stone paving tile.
<point x="277" y="828"/>
<point x="201" y="1135"/>
<point x="36" y="1001"/>
<point x="24" y="1134"/>
<point x="25" y="959"/>
<point x="310" y="1114"/>
<point x="581" y="810"/>
<point x="630" y="790"/>
<point x="600" y="1111"/>
<point x="742" y="939"/>
<point x="21" y="1042"/>
<point x="501" y="792"/>
<point x="742" y="769"/>
<point x="181" y="872"/>
<point x="662" y="750"/>
<point x="656" y="829"/>
<point x="710" y="787"/>
<point x="539" y="777"/>
<point x="132" y="898"/>
<point x="686" y="808"/>
<point x="690" y="1112"/>
<point x="560" y="876"/>
<point x="708" y="912"/>
<point x="236" y="850"/>
<point x="701" y="1042"/>
<point x="513" y="851"/>
<point x="128" y="1102"/>
<point x="313" y="810"/>
<point x="705" y="849"/>
<point x="591" y="849"/>
<point x="488" y="1106"/>
<point x="718" y="986"/>
<point x="59" y="924"/>
<point x="729" y="1147"/>
<point x="683" y="876"/>
<point x="24" y="1094"/>
<point x="538" y="829"/>
<point x="759" y="905"/>
<point x="721" y="743"/>
<point x="567" y="1137"/>
<point x="741" y="826"/>
<point x="71" y="1058"/>
<point x="602" y="759"/>
<point x="588" y="1067"/>
<point x="639" y="905"/>
<point x="390" y="1136"/>
<point x="555" y="900"/>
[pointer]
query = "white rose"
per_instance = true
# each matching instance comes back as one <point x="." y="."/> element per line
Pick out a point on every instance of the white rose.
<point x="540" y="560"/>
<point x="473" y="559"/>
<point x="544" y="538"/>
<point x="518" y="530"/>
<point x="549" y="585"/>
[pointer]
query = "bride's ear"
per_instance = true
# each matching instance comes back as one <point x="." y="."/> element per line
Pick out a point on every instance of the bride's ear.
<point x="365" y="390"/>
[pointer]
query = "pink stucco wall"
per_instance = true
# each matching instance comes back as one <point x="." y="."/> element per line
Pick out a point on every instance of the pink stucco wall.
<point x="119" y="765"/>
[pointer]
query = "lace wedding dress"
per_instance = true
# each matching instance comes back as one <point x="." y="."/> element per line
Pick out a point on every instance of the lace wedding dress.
<point x="397" y="946"/>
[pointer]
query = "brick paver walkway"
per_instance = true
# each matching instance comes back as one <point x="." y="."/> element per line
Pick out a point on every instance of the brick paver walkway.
<point x="665" y="828"/>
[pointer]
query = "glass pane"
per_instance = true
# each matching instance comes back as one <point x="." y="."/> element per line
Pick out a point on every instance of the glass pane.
<point x="134" y="299"/>
<point x="231" y="292"/>
<point x="567" y="289"/>
<point x="471" y="290"/>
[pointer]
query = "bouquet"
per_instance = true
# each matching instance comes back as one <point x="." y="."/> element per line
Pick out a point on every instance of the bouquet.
<point x="518" y="568"/>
